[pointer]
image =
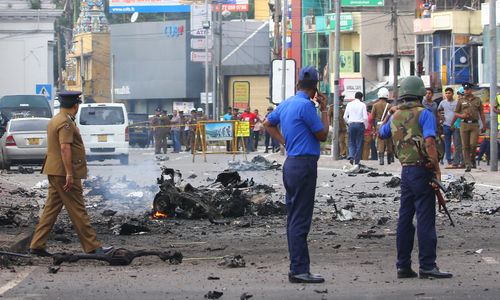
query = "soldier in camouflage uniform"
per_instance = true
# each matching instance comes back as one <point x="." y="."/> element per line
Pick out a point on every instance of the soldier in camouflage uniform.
<point x="411" y="125"/>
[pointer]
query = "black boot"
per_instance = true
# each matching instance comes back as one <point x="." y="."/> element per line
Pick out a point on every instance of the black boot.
<point x="267" y="150"/>
<point x="381" y="158"/>
<point x="390" y="158"/>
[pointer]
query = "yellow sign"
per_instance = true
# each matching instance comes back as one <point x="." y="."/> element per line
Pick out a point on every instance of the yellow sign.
<point x="241" y="94"/>
<point x="243" y="129"/>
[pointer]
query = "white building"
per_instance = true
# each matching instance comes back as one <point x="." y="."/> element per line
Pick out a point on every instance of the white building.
<point x="26" y="45"/>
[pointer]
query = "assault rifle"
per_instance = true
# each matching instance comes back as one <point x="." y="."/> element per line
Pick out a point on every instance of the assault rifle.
<point x="435" y="183"/>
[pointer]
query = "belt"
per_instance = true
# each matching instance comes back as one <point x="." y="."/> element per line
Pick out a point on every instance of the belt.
<point x="313" y="157"/>
<point x="470" y="121"/>
<point x="356" y="123"/>
<point x="417" y="164"/>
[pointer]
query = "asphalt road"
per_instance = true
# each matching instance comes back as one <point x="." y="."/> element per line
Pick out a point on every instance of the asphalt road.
<point x="353" y="268"/>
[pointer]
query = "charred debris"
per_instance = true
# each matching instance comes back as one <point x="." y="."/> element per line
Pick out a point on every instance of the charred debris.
<point x="229" y="196"/>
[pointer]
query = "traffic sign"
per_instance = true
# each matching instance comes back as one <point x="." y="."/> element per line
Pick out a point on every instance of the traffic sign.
<point x="44" y="89"/>
<point x="197" y="56"/>
<point x="199" y="43"/>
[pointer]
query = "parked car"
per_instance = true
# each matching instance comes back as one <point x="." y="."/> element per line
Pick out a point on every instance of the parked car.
<point x="19" y="106"/>
<point x="24" y="142"/>
<point x="104" y="130"/>
<point x="138" y="129"/>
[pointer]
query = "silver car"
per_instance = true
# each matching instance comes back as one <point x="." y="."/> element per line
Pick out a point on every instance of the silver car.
<point x="24" y="142"/>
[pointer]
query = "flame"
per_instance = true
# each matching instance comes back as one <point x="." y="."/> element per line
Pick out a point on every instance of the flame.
<point x="159" y="215"/>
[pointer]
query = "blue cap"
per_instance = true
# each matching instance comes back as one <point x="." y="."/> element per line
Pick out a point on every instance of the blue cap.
<point x="71" y="97"/>
<point x="460" y="90"/>
<point x="308" y="73"/>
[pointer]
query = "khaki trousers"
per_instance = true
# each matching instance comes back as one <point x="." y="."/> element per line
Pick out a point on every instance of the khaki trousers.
<point x="343" y="143"/>
<point x="75" y="206"/>
<point x="469" y="134"/>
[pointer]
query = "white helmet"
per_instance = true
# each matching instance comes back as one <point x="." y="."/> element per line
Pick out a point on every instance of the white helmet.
<point x="200" y="109"/>
<point x="383" y="93"/>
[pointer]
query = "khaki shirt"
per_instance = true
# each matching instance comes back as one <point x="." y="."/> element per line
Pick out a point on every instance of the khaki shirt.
<point x="342" y="123"/>
<point x="378" y="110"/>
<point x="470" y="104"/>
<point x="62" y="130"/>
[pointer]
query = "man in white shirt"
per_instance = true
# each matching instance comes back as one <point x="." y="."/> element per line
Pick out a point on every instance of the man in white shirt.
<point x="356" y="117"/>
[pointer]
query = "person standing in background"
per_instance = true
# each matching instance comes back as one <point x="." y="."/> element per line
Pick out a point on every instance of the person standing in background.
<point x="269" y="140"/>
<point x="379" y="112"/>
<point x="250" y="117"/>
<point x="175" y="122"/>
<point x="356" y="116"/>
<point x="448" y="106"/>
<point x="257" y="129"/>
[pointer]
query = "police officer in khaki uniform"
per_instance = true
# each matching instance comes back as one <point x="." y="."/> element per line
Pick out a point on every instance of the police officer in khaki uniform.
<point x="379" y="111"/>
<point x="470" y="109"/>
<point x="65" y="166"/>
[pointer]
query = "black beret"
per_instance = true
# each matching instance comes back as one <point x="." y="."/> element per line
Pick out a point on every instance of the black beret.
<point x="70" y="97"/>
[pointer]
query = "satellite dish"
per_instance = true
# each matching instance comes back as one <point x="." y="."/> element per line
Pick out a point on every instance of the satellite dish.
<point x="134" y="17"/>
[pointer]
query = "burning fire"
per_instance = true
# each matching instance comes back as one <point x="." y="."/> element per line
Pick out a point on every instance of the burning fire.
<point x="159" y="215"/>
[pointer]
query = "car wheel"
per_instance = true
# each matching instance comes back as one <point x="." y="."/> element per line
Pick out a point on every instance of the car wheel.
<point x="124" y="160"/>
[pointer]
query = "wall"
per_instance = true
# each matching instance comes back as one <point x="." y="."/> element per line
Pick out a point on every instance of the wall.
<point x="261" y="10"/>
<point x="24" y="56"/>
<point x="259" y="91"/>
<point x="150" y="64"/>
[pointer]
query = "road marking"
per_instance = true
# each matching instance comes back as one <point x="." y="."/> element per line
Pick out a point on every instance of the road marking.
<point x="489" y="186"/>
<point x="17" y="280"/>
<point x="490" y="260"/>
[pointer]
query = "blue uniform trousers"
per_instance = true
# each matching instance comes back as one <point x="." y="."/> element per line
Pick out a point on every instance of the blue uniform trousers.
<point x="356" y="139"/>
<point x="299" y="178"/>
<point x="417" y="196"/>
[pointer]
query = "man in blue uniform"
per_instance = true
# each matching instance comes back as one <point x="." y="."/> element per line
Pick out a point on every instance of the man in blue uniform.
<point x="301" y="133"/>
<point x="411" y="125"/>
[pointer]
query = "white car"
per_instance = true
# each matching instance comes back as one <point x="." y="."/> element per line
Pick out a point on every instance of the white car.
<point x="24" y="142"/>
<point x="104" y="130"/>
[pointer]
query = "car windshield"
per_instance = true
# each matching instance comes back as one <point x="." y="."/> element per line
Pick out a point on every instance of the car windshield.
<point x="102" y="116"/>
<point x="137" y="118"/>
<point x="24" y="101"/>
<point x="28" y="125"/>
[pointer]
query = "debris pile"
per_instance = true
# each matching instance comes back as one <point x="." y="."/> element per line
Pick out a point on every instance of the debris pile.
<point x="394" y="182"/>
<point x="228" y="196"/>
<point x="460" y="189"/>
<point x="258" y="163"/>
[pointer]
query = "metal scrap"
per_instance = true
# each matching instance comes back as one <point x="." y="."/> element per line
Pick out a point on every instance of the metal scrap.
<point x="394" y="182"/>
<point x="117" y="257"/>
<point x="230" y="261"/>
<point x="258" y="163"/>
<point x="377" y="174"/>
<point x="228" y="196"/>
<point x="460" y="189"/>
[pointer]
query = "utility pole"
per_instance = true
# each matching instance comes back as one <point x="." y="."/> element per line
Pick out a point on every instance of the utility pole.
<point x="206" y="26"/>
<point x="214" y="65"/>
<point x="283" y="48"/>
<point x="112" y="78"/>
<point x="395" y="65"/>
<point x="493" y="87"/>
<point x="336" y="82"/>
<point x="220" y="90"/>
<point x="82" y="70"/>
<point x="277" y="12"/>
<point x="59" y="58"/>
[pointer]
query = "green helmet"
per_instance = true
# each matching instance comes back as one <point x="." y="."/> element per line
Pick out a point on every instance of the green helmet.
<point x="412" y="86"/>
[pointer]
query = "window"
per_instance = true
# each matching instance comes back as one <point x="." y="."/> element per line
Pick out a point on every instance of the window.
<point x="29" y="125"/>
<point x="101" y="116"/>
<point x="412" y="68"/>
<point x="386" y="66"/>
<point x="399" y="66"/>
<point x="357" y="62"/>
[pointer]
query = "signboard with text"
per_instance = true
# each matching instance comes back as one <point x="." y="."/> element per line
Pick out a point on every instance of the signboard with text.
<point x="375" y="3"/>
<point x="346" y="22"/>
<point x="352" y="85"/>
<point x="147" y="6"/>
<point x="197" y="56"/>
<point x="241" y="94"/>
<point x="243" y="129"/>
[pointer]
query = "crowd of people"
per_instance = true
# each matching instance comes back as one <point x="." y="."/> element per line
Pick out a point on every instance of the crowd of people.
<point x="180" y="128"/>
<point x="461" y="123"/>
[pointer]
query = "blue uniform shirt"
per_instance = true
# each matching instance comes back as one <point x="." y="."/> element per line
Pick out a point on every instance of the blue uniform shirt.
<point x="228" y="117"/>
<point x="299" y="122"/>
<point x="426" y="120"/>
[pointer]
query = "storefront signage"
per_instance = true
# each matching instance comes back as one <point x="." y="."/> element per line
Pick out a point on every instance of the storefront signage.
<point x="346" y="61"/>
<point x="346" y="23"/>
<point x="377" y="3"/>
<point x="241" y="94"/>
<point x="173" y="30"/>
<point x="352" y="85"/>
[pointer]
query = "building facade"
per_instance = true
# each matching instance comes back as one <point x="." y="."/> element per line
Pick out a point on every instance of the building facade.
<point x="27" y="45"/>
